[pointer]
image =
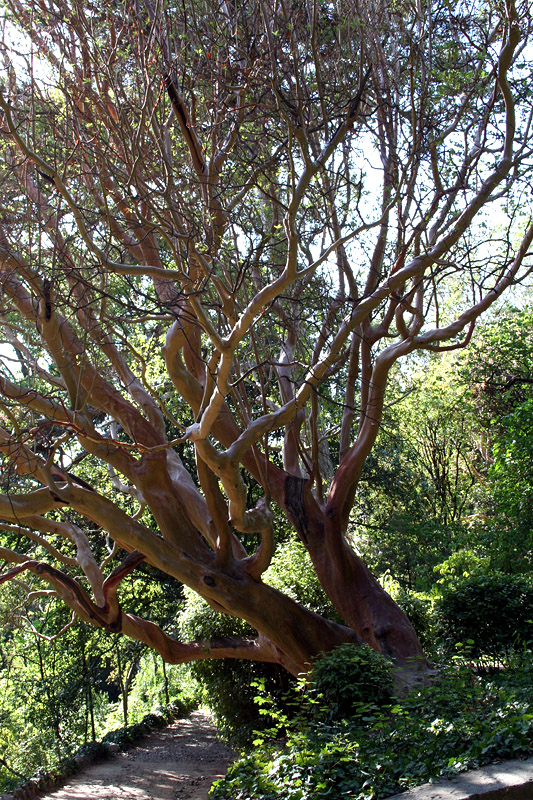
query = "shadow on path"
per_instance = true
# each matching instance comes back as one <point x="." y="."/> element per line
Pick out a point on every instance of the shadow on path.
<point x="179" y="762"/>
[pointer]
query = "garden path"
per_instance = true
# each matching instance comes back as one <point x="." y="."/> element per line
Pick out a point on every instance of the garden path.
<point x="179" y="762"/>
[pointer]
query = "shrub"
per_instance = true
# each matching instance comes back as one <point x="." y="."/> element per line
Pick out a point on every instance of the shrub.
<point x="459" y="722"/>
<point x="460" y="566"/>
<point x="348" y="677"/>
<point x="492" y="612"/>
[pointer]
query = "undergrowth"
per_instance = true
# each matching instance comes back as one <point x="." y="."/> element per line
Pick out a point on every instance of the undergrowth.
<point x="461" y="720"/>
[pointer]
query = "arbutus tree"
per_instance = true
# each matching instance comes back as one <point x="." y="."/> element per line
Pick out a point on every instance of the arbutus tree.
<point x="222" y="224"/>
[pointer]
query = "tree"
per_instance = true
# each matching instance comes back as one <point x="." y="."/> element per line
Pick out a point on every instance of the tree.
<point x="498" y="369"/>
<point x="222" y="225"/>
<point x="512" y="475"/>
<point x="499" y="366"/>
<point x="415" y="491"/>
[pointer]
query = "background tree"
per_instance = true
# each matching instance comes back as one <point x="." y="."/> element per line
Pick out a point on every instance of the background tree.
<point x="498" y="370"/>
<point x="418" y="491"/>
<point x="222" y="226"/>
<point x="499" y="366"/>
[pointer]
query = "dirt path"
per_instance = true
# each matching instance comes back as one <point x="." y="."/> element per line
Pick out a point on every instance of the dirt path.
<point x="177" y="763"/>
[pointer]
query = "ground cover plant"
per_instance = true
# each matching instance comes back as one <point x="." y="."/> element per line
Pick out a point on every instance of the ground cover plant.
<point x="460" y="721"/>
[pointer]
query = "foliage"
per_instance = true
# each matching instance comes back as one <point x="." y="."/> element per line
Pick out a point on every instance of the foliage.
<point x="349" y="677"/>
<point x="443" y="449"/>
<point x="460" y="565"/>
<point x="512" y="477"/>
<point x="418" y="606"/>
<point x="155" y="686"/>
<point x="62" y="694"/>
<point x="291" y="572"/>
<point x="409" y="545"/>
<point x="455" y="498"/>
<point x="459" y="722"/>
<point x="46" y="778"/>
<point x="499" y="365"/>
<point x="52" y="699"/>
<point x="493" y="613"/>
<point x="517" y="676"/>
<point x="417" y="490"/>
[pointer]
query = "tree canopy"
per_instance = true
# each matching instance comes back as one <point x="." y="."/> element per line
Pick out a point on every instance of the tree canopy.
<point x="221" y="226"/>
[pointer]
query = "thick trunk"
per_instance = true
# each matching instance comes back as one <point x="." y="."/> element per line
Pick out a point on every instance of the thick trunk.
<point x="288" y="633"/>
<point x="296" y="634"/>
<point x="363" y="603"/>
<point x="349" y="584"/>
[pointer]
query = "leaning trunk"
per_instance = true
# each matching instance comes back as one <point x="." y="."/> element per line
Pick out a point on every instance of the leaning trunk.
<point x="349" y="584"/>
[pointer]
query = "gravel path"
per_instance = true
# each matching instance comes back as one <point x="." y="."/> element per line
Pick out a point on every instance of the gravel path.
<point x="177" y="763"/>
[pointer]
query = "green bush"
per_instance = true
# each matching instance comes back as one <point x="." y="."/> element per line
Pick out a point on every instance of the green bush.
<point x="517" y="677"/>
<point x="348" y="677"/>
<point x="493" y="613"/>
<point x="460" y="566"/>
<point x="459" y="722"/>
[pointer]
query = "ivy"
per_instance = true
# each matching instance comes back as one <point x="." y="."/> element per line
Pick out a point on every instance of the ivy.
<point x="459" y="722"/>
